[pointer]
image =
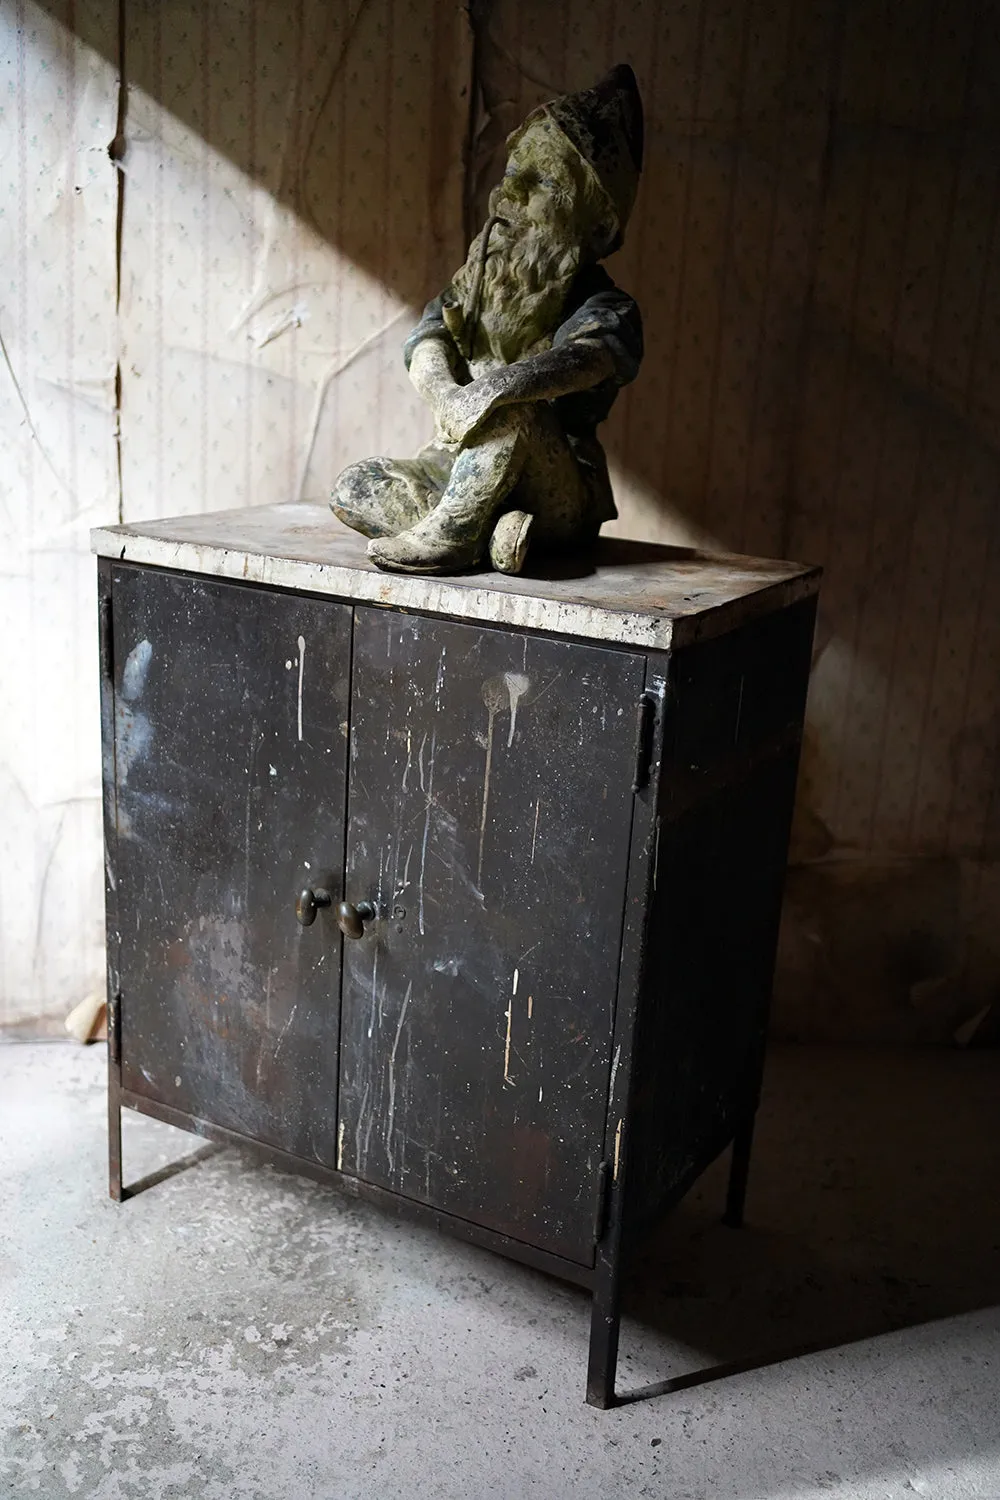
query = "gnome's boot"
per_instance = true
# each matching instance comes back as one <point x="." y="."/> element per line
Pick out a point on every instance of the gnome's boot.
<point x="457" y="532"/>
<point x="509" y="542"/>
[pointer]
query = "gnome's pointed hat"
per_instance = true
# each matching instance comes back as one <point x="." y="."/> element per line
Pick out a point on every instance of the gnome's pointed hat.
<point x="604" y="123"/>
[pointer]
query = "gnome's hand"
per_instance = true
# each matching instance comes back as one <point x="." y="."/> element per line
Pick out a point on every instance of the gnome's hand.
<point x="458" y="412"/>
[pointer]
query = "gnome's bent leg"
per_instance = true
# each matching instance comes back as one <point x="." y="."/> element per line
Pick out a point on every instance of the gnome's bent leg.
<point x="384" y="496"/>
<point x="522" y="446"/>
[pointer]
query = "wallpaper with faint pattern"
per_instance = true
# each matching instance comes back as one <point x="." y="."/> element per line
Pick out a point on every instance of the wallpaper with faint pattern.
<point x="814" y="250"/>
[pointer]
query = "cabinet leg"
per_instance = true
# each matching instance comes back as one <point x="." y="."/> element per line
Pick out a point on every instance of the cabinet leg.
<point x="605" y="1322"/>
<point x="739" y="1170"/>
<point x="114" y="1134"/>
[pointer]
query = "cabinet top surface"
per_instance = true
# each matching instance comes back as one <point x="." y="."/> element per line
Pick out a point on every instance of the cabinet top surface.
<point x="632" y="593"/>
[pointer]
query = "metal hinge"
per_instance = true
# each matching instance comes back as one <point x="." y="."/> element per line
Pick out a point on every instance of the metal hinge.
<point x="107" y="641"/>
<point x="601" y="1200"/>
<point x="645" y="718"/>
<point x="115" y="1028"/>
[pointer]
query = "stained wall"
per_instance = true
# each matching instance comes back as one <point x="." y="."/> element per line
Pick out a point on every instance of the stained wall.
<point x="814" y="252"/>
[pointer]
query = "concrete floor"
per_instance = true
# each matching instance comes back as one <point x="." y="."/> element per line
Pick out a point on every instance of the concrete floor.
<point x="237" y="1334"/>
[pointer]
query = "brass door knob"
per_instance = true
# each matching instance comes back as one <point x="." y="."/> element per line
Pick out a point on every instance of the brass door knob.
<point x="351" y="919"/>
<point x="308" y="903"/>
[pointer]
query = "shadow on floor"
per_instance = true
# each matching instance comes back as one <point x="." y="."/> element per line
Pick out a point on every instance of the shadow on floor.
<point x="873" y="1206"/>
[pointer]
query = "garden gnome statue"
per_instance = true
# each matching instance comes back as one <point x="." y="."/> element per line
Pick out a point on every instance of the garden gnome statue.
<point x="519" y="358"/>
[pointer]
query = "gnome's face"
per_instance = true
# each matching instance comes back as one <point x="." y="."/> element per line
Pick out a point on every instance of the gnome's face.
<point x="549" y="215"/>
<point x="548" y="187"/>
<point x="563" y="201"/>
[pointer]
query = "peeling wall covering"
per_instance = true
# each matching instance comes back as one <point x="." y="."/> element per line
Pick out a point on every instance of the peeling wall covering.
<point x="58" y="477"/>
<point x="814" y="250"/>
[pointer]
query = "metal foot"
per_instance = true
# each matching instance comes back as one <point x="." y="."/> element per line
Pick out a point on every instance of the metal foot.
<point x="739" y="1171"/>
<point x="605" y="1323"/>
<point x="114" y="1133"/>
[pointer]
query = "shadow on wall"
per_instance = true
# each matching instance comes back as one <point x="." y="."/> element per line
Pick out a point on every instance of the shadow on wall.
<point x="814" y="250"/>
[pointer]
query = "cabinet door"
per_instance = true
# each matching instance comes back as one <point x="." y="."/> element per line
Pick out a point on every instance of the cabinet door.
<point x="230" y="763"/>
<point x="490" y="812"/>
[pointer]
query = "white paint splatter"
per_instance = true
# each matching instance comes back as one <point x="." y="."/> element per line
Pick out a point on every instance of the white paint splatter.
<point x="517" y="685"/>
<point x="135" y="671"/>
<point x="302" y="662"/>
<point x="340" y="1144"/>
<point x="506" y="1051"/>
<point x="439" y="684"/>
<point x="510" y="1015"/>
<point x="272" y="770"/>
<point x="529" y="1007"/>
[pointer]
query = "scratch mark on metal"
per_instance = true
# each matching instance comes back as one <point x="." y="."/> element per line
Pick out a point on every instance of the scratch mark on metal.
<point x="358" y="1162"/>
<point x="529" y="1007"/>
<point x="371" y="1017"/>
<point x="284" y="1029"/>
<point x="267" y="997"/>
<point x="302" y="662"/>
<point x="340" y="1144"/>
<point x="391" y="1116"/>
<point x="409" y="758"/>
<point x="618" y="1148"/>
<point x="420" y="762"/>
<point x="251" y="759"/>
<point x="534" y="834"/>
<point x="614" y="1069"/>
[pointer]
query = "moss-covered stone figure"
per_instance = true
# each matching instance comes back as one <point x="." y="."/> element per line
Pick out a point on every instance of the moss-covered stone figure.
<point x="520" y="357"/>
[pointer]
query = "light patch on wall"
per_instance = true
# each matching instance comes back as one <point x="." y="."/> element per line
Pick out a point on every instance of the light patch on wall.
<point x="57" y="478"/>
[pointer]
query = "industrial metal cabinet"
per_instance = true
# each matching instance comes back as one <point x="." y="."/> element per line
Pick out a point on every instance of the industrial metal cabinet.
<point x="460" y="893"/>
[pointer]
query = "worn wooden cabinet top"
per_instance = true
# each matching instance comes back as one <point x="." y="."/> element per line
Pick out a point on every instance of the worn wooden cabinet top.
<point x="635" y="594"/>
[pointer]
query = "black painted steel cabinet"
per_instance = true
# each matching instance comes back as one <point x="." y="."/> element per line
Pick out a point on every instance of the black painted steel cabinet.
<point x="557" y="851"/>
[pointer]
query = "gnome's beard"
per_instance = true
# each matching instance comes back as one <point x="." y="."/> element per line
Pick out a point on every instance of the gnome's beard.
<point x="528" y="272"/>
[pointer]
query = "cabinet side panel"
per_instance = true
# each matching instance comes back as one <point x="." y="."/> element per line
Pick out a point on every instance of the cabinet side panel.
<point x="490" y="814"/>
<point x="108" y="783"/>
<point x="230" y="751"/>
<point x="726" y="797"/>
